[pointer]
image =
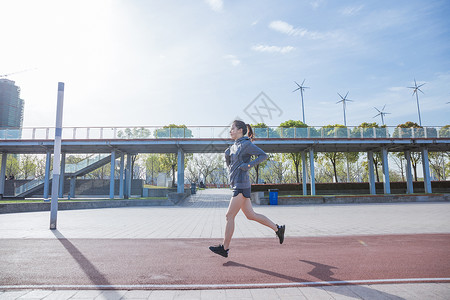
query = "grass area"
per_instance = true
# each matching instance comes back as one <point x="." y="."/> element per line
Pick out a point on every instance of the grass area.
<point x="78" y="200"/>
<point x="149" y="186"/>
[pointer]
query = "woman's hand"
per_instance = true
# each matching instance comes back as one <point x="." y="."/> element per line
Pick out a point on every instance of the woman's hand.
<point x="245" y="167"/>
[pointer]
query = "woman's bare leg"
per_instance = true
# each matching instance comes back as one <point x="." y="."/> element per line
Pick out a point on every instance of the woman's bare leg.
<point x="233" y="209"/>
<point x="251" y="215"/>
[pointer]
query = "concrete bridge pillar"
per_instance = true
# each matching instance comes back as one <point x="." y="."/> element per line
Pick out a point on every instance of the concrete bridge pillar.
<point x="73" y="181"/>
<point x="180" y="178"/>
<point x="62" y="176"/>
<point x="48" y="160"/>
<point x="3" y="174"/>
<point x="386" y="182"/>
<point x="111" y="178"/>
<point x="121" y="174"/>
<point x="409" y="179"/>
<point x="426" y="170"/>
<point x="372" y="186"/>
<point x="313" y="180"/>
<point x="128" y="177"/>
<point x="304" y="174"/>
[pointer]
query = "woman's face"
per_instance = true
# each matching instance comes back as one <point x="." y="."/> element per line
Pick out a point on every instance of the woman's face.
<point x="235" y="133"/>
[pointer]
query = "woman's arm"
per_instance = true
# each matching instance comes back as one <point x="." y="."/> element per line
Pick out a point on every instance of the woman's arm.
<point x="256" y="151"/>
<point x="227" y="157"/>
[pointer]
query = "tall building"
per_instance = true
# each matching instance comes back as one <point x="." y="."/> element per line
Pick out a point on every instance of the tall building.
<point x="11" y="106"/>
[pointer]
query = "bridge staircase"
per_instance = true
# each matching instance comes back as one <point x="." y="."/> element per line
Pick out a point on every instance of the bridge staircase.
<point x="81" y="168"/>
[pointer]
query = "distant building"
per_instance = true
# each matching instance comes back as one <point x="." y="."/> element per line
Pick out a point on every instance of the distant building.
<point x="11" y="106"/>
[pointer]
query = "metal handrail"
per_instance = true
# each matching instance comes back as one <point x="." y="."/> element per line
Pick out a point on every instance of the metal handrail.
<point x="220" y="132"/>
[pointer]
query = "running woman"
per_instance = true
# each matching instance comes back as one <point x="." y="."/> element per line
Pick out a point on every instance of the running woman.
<point x="238" y="159"/>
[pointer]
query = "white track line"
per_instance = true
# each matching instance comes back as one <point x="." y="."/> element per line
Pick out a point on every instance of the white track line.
<point x="225" y="286"/>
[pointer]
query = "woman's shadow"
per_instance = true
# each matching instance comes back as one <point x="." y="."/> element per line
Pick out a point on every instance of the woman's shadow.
<point x="325" y="274"/>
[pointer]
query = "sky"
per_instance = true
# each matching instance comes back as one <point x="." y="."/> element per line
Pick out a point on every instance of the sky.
<point x="208" y="62"/>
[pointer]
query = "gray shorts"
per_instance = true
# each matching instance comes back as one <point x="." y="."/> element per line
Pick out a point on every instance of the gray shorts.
<point x="246" y="192"/>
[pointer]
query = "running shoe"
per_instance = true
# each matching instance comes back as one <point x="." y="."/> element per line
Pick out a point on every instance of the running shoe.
<point x="219" y="250"/>
<point x="280" y="232"/>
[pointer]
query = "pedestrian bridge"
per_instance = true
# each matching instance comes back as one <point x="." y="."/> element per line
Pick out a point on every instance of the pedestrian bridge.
<point x="127" y="141"/>
<point x="154" y="139"/>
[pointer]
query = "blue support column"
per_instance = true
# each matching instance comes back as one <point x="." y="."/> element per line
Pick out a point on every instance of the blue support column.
<point x="426" y="171"/>
<point x="372" y="186"/>
<point x="3" y="174"/>
<point x="111" y="178"/>
<point x="313" y="180"/>
<point x="121" y="174"/>
<point x="386" y="182"/>
<point x="128" y="176"/>
<point x="48" y="161"/>
<point x="61" y="177"/>
<point x="180" y="178"/>
<point x="304" y="174"/>
<point x="409" y="178"/>
<point x="73" y="180"/>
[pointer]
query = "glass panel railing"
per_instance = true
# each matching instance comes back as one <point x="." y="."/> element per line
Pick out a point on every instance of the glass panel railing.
<point x="431" y="132"/>
<point x="178" y="132"/>
<point x="287" y="133"/>
<point x="29" y="185"/>
<point x="381" y="133"/>
<point x="301" y="133"/>
<point x="219" y="132"/>
<point x="72" y="168"/>
<point x="444" y="132"/>
<point x="162" y="133"/>
<point x="315" y="132"/>
<point x="261" y="133"/>
<point x="10" y="134"/>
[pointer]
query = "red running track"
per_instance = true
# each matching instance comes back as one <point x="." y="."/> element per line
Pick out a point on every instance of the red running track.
<point x="185" y="263"/>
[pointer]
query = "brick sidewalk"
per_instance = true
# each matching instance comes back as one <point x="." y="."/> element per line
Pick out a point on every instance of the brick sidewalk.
<point x="378" y="291"/>
<point x="203" y="216"/>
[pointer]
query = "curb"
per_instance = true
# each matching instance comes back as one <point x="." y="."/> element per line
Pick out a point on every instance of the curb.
<point x="359" y="199"/>
<point x="45" y="206"/>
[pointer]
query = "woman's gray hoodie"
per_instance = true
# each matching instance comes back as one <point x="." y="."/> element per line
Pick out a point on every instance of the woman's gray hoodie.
<point x="237" y="157"/>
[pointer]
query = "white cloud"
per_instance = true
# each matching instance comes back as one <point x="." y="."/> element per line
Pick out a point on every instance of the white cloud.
<point x="233" y="60"/>
<point x="315" y="4"/>
<point x="288" y="29"/>
<point x="351" y="10"/>
<point x="272" y="49"/>
<point x="216" y="5"/>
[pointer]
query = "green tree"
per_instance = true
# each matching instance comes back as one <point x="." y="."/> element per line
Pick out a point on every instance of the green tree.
<point x="276" y="169"/>
<point x="445" y="131"/>
<point x="27" y="166"/>
<point x="404" y="130"/>
<point x="258" y="128"/>
<point x="367" y="130"/>
<point x="173" y="131"/>
<point x="12" y="165"/>
<point x="134" y="133"/>
<point x="336" y="158"/>
<point x="153" y="166"/>
<point x="401" y="132"/>
<point x="296" y="157"/>
<point x="438" y="165"/>
<point x="262" y="131"/>
<point x="169" y="161"/>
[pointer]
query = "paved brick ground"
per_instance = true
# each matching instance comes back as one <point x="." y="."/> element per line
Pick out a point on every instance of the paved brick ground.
<point x="203" y="217"/>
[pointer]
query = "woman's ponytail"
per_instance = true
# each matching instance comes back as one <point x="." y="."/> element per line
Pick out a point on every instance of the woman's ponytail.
<point x="250" y="132"/>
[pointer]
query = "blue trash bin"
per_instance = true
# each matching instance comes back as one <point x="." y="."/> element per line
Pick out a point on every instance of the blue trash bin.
<point x="273" y="196"/>
<point x="193" y="188"/>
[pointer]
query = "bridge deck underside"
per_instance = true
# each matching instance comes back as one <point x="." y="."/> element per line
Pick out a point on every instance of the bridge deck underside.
<point x="218" y="146"/>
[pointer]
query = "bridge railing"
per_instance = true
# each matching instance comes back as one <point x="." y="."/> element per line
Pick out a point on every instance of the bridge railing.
<point x="219" y="132"/>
